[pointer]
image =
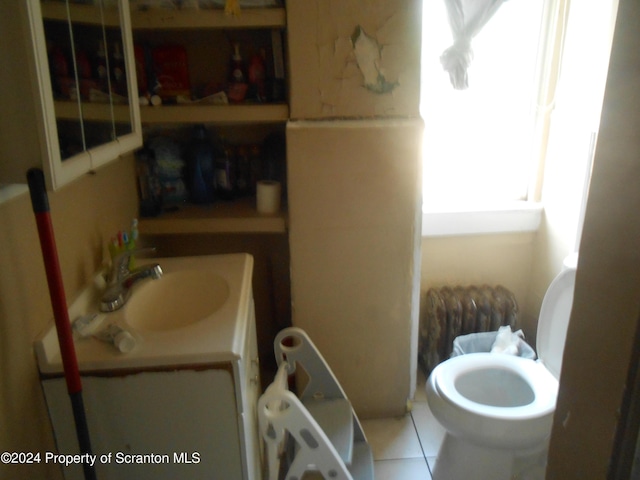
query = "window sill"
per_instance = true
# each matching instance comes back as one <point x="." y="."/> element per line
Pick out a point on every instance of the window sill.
<point x="515" y="217"/>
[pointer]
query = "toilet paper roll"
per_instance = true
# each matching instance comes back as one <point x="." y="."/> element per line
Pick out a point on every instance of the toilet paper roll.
<point x="268" y="196"/>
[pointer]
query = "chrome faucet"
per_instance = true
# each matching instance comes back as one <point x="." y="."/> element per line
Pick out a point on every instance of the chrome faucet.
<point x="122" y="279"/>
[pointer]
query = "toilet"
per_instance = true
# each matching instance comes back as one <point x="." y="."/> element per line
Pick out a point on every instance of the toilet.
<point x="498" y="409"/>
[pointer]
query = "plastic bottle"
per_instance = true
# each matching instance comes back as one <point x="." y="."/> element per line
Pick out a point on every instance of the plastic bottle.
<point x="149" y="186"/>
<point x="101" y="68"/>
<point x="237" y="71"/>
<point x="257" y="75"/>
<point x="200" y="168"/>
<point x="225" y="174"/>
<point x="237" y="88"/>
<point x="87" y="325"/>
<point x="119" y="74"/>
<point x="118" y="337"/>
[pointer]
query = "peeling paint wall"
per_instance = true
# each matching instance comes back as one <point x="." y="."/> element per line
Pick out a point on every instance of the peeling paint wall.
<point x="353" y="166"/>
<point x="336" y="71"/>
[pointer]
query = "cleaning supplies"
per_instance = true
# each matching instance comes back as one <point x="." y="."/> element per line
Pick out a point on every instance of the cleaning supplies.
<point x="119" y="75"/>
<point x="200" y="167"/>
<point x="257" y="76"/>
<point x="238" y="86"/>
<point x="225" y="174"/>
<point x="237" y="72"/>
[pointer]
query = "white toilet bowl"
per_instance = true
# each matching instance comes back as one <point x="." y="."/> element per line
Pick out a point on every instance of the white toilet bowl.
<point x="498" y="409"/>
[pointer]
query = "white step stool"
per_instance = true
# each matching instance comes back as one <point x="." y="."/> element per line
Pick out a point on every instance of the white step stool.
<point x="317" y="431"/>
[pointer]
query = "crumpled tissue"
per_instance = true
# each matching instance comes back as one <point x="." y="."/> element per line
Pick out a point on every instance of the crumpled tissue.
<point x="507" y="342"/>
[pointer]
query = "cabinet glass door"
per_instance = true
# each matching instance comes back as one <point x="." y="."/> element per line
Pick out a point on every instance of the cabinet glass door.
<point x="61" y="55"/>
<point x="119" y="72"/>
<point x="93" y="72"/>
<point x="117" y="80"/>
<point x="89" y="51"/>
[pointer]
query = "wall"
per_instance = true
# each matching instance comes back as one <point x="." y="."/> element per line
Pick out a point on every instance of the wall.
<point x="353" y="159"/>
<point x="493" y="259"/>
<point x="340" y="52"/>
<point x="353" y="207"/>
<point x="85" y="215"/>
<point x="17" y="100"/>
<point x="606" y="306"/>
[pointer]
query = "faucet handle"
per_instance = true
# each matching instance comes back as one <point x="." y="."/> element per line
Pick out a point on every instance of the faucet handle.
<point x="120" y="263"/>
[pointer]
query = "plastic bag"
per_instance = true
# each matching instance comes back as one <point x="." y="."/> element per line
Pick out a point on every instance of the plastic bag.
<point x="484" y="342"/>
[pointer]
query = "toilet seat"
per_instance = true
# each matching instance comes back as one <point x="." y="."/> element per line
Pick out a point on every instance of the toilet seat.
<point x="543" y="384"/>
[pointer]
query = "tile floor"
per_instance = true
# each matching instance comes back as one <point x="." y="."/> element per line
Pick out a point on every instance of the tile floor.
<point x="405" y="448"/>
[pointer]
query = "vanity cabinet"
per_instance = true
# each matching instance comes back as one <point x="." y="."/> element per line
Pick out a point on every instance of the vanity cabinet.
<point x="72" y="106"/>
<point x="191" y="421"/>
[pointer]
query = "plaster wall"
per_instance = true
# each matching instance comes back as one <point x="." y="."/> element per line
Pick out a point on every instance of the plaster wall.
<point x="354" y="58"/>
<point x="354" y="193"/>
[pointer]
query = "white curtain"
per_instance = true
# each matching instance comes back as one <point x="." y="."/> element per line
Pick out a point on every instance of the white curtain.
<point x="466" y="17"/>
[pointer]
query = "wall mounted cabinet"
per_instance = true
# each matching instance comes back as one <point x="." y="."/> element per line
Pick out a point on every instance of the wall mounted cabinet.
<point x="74" y="98"/>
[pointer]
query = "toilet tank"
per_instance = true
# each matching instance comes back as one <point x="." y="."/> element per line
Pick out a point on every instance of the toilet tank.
<point x="554" y="320"/>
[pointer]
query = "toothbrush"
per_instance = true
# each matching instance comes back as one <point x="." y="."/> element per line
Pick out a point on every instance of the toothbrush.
<point x="134" y="229"/>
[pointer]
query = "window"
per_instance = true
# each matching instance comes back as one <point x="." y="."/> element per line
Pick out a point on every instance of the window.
<point x="478" y="141"/>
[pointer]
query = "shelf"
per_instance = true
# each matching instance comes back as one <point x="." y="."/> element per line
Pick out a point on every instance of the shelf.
<point x="92" y="111"/>
<point x="264" y="113"/>
<point x="207" y="18"/>
<point x="239" y="216"/>
<point x="157" y="25"/>
<point x="87" y="14"/>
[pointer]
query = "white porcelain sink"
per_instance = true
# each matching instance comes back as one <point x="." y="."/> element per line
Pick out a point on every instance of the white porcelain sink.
<point x="176" y="300"/>
<point x="191" y="315"/>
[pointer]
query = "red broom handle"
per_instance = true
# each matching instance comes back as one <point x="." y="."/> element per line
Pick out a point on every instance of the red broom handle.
<point x="40" y="203"/>
<point x="58" y="301"/>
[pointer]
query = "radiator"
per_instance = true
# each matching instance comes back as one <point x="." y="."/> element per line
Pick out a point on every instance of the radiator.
<point x="447" y="312"/>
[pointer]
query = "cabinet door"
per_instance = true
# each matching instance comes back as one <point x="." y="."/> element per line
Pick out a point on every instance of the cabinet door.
<point x="62" y="139"/>
<point x="88" y="111"/>
<point x="250" y="395"/>
<point x="186" y="419"/>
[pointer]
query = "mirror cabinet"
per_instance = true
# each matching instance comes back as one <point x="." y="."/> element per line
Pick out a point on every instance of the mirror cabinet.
<point x="83" y="110"/>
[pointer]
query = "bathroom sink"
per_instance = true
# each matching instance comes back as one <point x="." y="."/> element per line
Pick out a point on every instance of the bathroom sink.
<point x="194" y="314"/>
<point x="176" y="300"/>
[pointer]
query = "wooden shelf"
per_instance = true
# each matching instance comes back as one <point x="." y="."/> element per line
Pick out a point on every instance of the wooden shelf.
<point x="207" y="18"/>
<point x="239" y="216"/>
<point x="263" y="113"/>
<point x="68" y="110"/>
<point x="87" y="14"/>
